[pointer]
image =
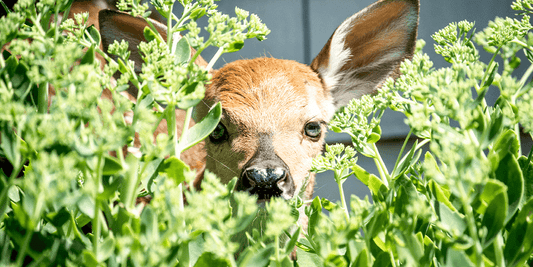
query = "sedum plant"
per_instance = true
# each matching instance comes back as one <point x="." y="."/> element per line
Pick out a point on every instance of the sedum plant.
<point x="466" y="202"/>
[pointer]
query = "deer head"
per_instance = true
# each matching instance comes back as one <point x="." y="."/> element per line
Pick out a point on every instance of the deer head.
<point x="275" y="111"/>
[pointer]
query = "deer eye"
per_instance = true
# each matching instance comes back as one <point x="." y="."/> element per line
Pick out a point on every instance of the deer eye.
<point x="313" y="129"/>
<point x="219" y="135"/>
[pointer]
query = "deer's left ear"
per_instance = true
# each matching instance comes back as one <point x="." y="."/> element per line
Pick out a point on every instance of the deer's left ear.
<point x="367" y="48"/>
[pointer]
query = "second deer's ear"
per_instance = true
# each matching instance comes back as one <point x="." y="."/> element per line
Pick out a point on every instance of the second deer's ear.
<point x="367" y="48"/>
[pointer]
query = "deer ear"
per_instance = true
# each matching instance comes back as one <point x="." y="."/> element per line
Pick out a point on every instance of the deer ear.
<point x="367" y="48"/>
<point x="118" y="26"/>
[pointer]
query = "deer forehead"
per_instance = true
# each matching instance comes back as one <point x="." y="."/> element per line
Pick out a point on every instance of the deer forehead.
<point x="270" y="95"/>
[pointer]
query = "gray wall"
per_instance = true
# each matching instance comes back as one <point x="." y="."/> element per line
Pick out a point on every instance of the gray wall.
<point x="300" y="29"/>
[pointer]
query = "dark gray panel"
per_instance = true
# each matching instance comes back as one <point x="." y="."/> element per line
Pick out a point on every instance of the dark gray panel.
<point x="283" y="18"/>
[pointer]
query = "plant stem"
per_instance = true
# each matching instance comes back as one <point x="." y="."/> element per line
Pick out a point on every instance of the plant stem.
<point x="523" y="82"/>
<point x="199" y="51"/>
<point x="215" y="58"/>
<point x="401" y="150"/>
<point x="185" y="131"/>
<point x="25" y="244"/>
<point x="471" y="224"/>
<point x="96" y="219"/>
<point x="42" y="98"/>
<point x="178" y="148"/>
<point x="338" y="176"/>
<point x="277" y="251"/>
<point x="380" y="164"/>
<point x="169" y="28"/>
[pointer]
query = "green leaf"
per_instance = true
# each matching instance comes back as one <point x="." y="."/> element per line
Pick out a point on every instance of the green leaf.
<point x="257" y="259"/>
<point x="370" y="180"/>
<point x="58" y="218"/>
<point x="111" y="165"/>
<point x="308" y="259"/>
<point x="407" y="162"/>
<point x="492" y="188"/>
<point x="509" y="173"/>
<point x="208" y="259"/>
<point x="190" y="96"/>
<point x="234" y="47"/>
<point x="203" y="128"/>
<point x="107" y="248"/>
<point x="175" y="169"/>
<point x="335" y="129"/>
<point x="506" y="143"/>
<point x="95" y="35"/>
<point x="313" y="212"/>
<point x="496" y="123"/>
<point x="150" y="173"/>
<point x="362" y="260"/>
<point x="183" y="51"/>
<point x="456" y="258"/>
<point x="198" y="13"/>
<point x="494" y="217"/>
<point x="441" y="194"/>
<point x="89" y="57"/>
<point x="375" y="135"/>
<point x="493" y="71"/>
<point x="89" y="259"/>
<point x="527" y="172"/>
<point x="519" y="244"/>
<point x="149" y="34"/>
<point x="289" y="246"/>
<point x="451" y="220"/>
<point x="86" y="206"/>
<point x="11" y="146"/>
<point x="231" y="185"/>
<point x="383" y="260"/>
<point x="328" y="205"/>
<point x="128" y="190"/>
<point x="150" y="224"/>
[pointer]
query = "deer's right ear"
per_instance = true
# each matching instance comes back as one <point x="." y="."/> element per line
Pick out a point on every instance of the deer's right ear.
<point x="367" y="48"/>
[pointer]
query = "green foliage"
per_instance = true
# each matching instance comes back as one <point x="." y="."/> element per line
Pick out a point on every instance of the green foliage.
<point x="466" y="202"/>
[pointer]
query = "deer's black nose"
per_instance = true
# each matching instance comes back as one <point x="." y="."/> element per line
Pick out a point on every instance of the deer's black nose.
<point x="266" y="174"/>
<point x="264" y="177"/>
<point x="265" y="182"/>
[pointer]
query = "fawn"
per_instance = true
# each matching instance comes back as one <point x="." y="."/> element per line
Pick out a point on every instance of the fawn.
<point x="275" y="112"/>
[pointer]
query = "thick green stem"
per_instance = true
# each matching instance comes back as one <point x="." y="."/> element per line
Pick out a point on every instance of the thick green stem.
<point x="277" y="251"/>
<point x="401" y="150"/>
<point x="25" y="244"/>
<point x="185" y="131"/>
<point x="523" y="81"/>
<point x="215" y="58"/>
<point x="380" y="164"/>
<point x="338" y="176"/>
<point x="199" y="51"/>
<point x="169" y="27"/>
<point x="471" y="225"/>
<point x="42" y="98"/>
<point x="96" y="219"/>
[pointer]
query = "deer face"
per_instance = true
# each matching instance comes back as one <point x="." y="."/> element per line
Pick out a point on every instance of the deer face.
<point x="274" y="122"/>
<point x="275" y="111"/>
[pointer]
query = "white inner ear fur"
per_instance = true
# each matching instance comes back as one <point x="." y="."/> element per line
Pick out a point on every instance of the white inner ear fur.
<point x="338" y="56"/>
